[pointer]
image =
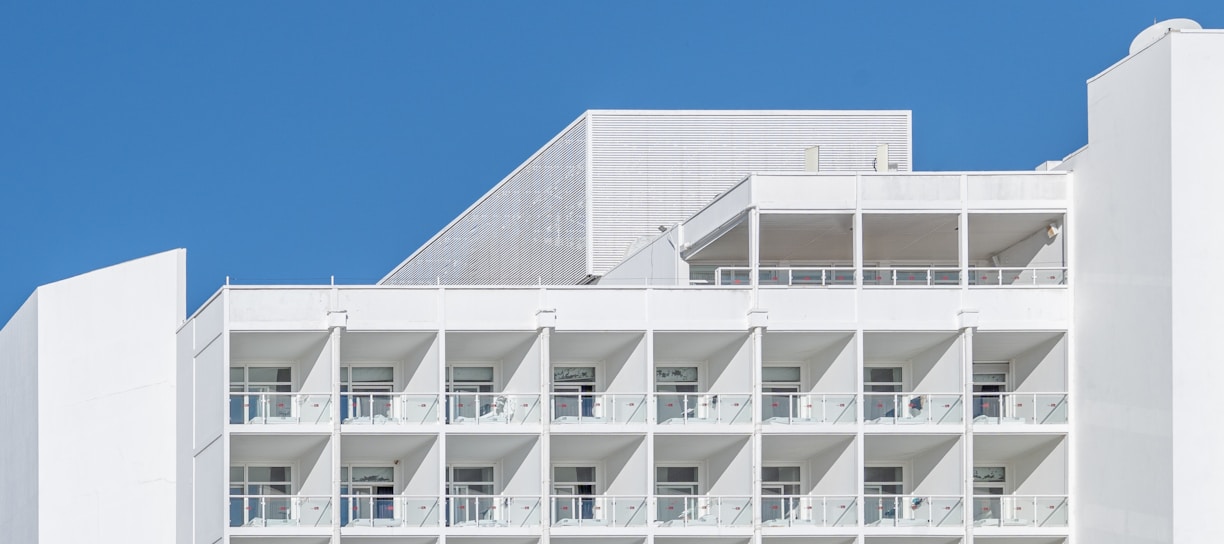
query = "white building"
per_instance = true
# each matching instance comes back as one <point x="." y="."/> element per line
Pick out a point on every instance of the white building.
<point x="782" y="335"/>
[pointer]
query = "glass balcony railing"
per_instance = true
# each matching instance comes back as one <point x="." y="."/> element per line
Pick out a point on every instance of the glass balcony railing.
<point x="492" y="409"/>
<point x="598" y="511"/>
<point x="280" y="511"/>
<point x="809" y="511"/>
<point x="912" y="408"/>
<point x="492" y="511"/>
<point x="279" y="408"/>
<point x="913" y="511"/>
<point x="599" y="408"/>
<point x="388" y="408"/>
<point x="702" y="408"/>
<point x="912" y="277"/>
<point x="1019" y="408"/>
<point x="1018" y="277"/>
<point x="788" y="276"/>
<point x="808" y="408"/>
<point x="691" y="511"/>
<point x="388" y="511"/>
<point x="1020" y="511"/>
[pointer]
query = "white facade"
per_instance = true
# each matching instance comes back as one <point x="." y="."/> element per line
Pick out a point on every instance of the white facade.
<point x="86" y="404"/>
<point x="841" y="352"/>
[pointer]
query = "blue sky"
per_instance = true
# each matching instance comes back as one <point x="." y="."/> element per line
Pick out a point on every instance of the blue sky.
<point x="292" y="141"/>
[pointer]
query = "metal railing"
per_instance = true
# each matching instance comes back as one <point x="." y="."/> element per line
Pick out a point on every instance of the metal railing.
<point x="599" y="408"/>
<point x="1018" y="276"/>
<point x="492" y="408"/>
<point x="492" y="511"/>
<point x="1019" y="408"/>
<point x="790" y="276"/>
<point x="703" y="510"/>
<point x="699" y="408"/>
<point x="809" y="511"/>
<point x="388" y="408"/>
<point x="913" y="511"/>
<point x="388" y="511"/>
<point x="1020" y="510"/>
<point x="912" y="276"/>
<point x="279" y="511"/>
<point x="598" y="511"/>
<point x="808" y="408"/>
<point x="279" y="408"/>
<point x="912" y="408"/>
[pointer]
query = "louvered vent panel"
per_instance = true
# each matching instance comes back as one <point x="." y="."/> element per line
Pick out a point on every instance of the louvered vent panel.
<point x="651" y="169"/>
<point x="532" y="227"/>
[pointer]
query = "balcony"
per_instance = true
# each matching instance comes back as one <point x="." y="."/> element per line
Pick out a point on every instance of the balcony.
<point x="1020" y="511"/>
<point x="912" y="408"/>
<point x="388" y="511"/>
<point x="598" y="511"/>
<point x="279" y="408"/>
<point x="492" y="511"/>
<point x="921" y="276"/>
<point x="1018" y="277"/>
<point x="914" y="511"/>
<point x="599" y="408"/>
<point x="785" y="276"/>
<point x="703" y="408"/>
<point x="388" y="409"/>
<point x="703" y="510"/>
<point x="492" y="409"/>
<point x="1020" y="408"/>
<point x="809" y="511"/>
<point x="808" y="408"/>
<point x="280" y="511"/>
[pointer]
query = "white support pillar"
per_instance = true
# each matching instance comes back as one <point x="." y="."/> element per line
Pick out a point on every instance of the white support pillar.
<point x="546" y="321"/>
<point x="754" y="250"/>
<point x="968" y="322"/>
<point x="443" y="466"/>
<point x="757" y="322"/>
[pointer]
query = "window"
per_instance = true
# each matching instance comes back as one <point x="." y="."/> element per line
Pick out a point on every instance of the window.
<point x="470" y="389"/>
<point x="779" y="492"/>
<point x="679" y="380"/>
<point x="260" y="495"/>
<point x="988" y="483"/>
<point x="263" y="404"/>
<point x="574" y="488"/>
<point x="881" y="379"/>
<point x="367" y="493"/>
<point x="676" y="487"/>
<point x="989" y="378"/>
<point x="784" y="382"/>
<point x="360" y="387"/>
<point x="469" y="493"/>
<point x="576" y="380"/>
<point x="880" y="484"/>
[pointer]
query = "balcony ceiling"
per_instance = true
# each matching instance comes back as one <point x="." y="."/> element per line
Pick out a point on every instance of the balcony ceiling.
<point x="797" y="347"/>
<point x="1009" y="447"/>
<point x="990" y="233"/>
<point x="383" y="346"/>
<point x="682" y="347"/>
<point x="590" y="346"/>
<point x="485" y="346"/>
<point x="918" y="237"/>
<point x="363" y="448"/>
<point x="485" y="448"/>
<point x="245" y="448"/>
<point x="807" y="540"/>
<point x="901" y="346"/>
<point x="786" y="237"/>
<point x="595" y="540"/>
<point x="276" y="346"/>
<point x="660" y="539"/>
<point x="570" y="448"/>
<point x="1005" y="346"/>
<point x="894" y="447"/>
<point x="776" y="448"/>
<point x="685" y="448"/>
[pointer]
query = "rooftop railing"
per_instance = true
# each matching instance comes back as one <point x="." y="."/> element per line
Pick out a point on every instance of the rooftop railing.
<point x="492" y="511"/>
<point x="702" y="408"/>
<point x="913" y="511"/>
<point x="1020" y="510"/>
<point x="912" y="276"/>
<point x="703" y="510"/>
<point x="893" y="276"/>
<point x="388" y="511"/>
<point x="280" y="511"/>
<point x="599" y="408"/>
<point x="808" y="408"/>
<point x="388" y="408"/>
<point x="1019" y="408"/>
<point x="279" y="408"/>
<point x="598" y="511"/>
<point x="809" y="511"/>
<point x="790" y="276"/>
<point x="912" y="408"/>
<point x="492" y="408"/>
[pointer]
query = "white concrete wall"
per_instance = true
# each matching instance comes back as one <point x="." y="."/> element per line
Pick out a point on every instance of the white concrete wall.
<point x="835" y="470"/>
<point x="106" y="402"/>
<point x="1122" y="339"/>
<point x="1197" y="133"/>
<point x="937" y="471"/>
<point x="19" y="490"/>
